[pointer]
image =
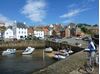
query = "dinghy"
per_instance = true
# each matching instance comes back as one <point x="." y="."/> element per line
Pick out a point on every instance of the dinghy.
<point x="9" y="51"/>
<point x="59" y="57"/>
<point x="28" y="50"/>
<point x="64" y="53"/>
<point x="48" y="49"/>
<point x="70" y="51"/>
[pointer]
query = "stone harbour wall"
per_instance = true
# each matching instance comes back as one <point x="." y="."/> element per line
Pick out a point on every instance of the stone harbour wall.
<point x="65" y="66"/>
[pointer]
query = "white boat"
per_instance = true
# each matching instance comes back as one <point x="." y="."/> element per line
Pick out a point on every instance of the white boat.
<point x="59" y="57"/>
<point x="62" y="54"/>
<point x="86" y="49"/>
<point x="48" y="49"/>
<point x="65" y="53"/>
<point x="70" y="51"/>
<point x="9" y="51"/>
<point x="28" y="50"/>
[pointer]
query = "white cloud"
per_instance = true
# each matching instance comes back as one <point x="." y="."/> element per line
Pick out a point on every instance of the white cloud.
<point x="73" y="12"/>
<point x="72" y="5"/>
<point x="5" y="20"/>
<point x="68" y="21"/>
<point x="75" y="9"/>
<point x="35" y="10"/>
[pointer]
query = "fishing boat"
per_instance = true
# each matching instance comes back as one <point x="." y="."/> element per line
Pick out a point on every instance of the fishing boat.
<point x="28" y="50"/>
<point x="9" y="51"/>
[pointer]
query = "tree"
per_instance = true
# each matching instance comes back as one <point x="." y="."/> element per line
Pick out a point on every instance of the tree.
<point x="84" y="29"/>
<point x="95" y="25"/>
<point x="82" y="25"/>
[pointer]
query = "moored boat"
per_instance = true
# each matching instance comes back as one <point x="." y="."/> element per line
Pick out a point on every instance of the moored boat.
<point x="48" y="49"/>
<point x="9" y="51"/>
<point x="28" y="50"/>
<point x="59" y="57"/>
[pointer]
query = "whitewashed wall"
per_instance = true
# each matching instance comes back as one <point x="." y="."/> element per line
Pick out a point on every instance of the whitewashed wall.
<point x="39" y="34"/>
<point x="8" y="34"/>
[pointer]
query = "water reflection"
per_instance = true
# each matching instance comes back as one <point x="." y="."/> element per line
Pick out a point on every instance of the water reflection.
<point x="23" y="64"/>
<point x="27" y="56"/>
<point x="9" y="55"/>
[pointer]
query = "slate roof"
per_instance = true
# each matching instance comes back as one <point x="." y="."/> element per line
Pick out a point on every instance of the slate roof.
<point x="38" y="29"/>
<point x="72" y="25"/>
<point x="21" y="25"/>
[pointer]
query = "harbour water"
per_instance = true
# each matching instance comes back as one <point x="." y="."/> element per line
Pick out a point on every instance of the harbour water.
<point x="24" y="64"/>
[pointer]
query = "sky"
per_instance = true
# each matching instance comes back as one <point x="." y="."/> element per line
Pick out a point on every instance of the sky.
<point x="39" y="12"/>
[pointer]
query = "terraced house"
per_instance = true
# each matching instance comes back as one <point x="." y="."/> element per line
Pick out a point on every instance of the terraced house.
<point x="20" y="30"/>
<point x="39" y="32"/>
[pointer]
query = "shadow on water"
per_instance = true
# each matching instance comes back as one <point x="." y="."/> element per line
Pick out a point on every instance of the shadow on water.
<point x="23" y="64"/>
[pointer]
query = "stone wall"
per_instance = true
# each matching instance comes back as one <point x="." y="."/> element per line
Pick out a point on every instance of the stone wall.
<point x="65" y="66"/>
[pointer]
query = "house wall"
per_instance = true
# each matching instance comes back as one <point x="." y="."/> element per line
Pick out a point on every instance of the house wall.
<point x="0" y="35"/>
<point x="21" y="33"/>
<point x="30" y="31"/>
<point x="8" y="34"/>
<point x="67" y="32"/>
<point x="50" y="32"/>
<point x="39" y="34"/>
<point x="62" y="33"/>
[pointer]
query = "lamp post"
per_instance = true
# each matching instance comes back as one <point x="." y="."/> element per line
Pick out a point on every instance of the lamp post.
<point x="69" y="30"/>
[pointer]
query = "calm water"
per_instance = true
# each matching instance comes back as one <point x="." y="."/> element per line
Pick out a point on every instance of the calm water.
<point x="23" y="64"/>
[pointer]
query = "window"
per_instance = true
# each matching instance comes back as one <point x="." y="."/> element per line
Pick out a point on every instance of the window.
<point x="21" y="36"/>
<point x="7" y="33"/>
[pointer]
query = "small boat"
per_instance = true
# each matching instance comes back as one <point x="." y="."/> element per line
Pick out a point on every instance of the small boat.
<point x="59" y="57"/>
<point x="64" y="53"/>
<point x="9" y="51"/>
<point x="48" y="49"/>
<point x="86" y="49"/>
<point x="70" y="51"/>
<point x="28" y="50"/>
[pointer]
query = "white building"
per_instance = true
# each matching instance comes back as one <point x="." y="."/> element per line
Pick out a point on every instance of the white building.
<point x="39" y="33"/>
<point x="8" y="34"/>
<point x="20" y="31"/>
<point x="51" y="29"/>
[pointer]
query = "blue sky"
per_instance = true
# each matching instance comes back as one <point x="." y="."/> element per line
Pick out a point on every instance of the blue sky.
<point x="50" y="11"/>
